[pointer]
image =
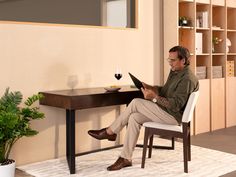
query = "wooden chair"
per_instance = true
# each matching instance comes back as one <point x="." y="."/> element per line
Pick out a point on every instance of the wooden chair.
<point x="183" y="131"/>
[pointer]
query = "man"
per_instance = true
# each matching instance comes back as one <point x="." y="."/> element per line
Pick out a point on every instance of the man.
<point x="161" y="104"/>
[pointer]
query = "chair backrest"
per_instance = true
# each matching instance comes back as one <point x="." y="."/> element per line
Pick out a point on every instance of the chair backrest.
<point x="188" y="112"/>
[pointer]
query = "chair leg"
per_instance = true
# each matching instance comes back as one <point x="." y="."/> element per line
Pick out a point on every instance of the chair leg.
<point x="189" y="147"/>
<point x="186" y="136"/>
<point x="150" y="147"/>
<point x="185" y="151"/>
<point x="173" y="142"/>
<point x="145" y="144"/>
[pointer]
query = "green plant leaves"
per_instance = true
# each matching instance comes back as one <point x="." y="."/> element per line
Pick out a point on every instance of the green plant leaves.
<point x="10" y="99"/>
<point x="33" y="99"/>
<point x="15" y="120"/>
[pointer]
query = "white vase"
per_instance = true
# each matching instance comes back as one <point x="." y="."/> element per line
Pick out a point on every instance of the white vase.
<point x="227" y="49"/>
<point x="8" y="170"/>
<point x="213" y="48"/>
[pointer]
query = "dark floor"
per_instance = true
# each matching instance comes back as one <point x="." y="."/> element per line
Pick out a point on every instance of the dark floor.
<point x="222" y="140"/>
<point x="20" y="173"/>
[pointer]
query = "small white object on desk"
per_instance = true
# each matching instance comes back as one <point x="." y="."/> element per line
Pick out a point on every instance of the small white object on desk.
<point x="112" y="89"/>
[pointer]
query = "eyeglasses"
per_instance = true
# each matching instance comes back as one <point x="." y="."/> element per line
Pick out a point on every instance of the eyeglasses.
<point x="171" y="60"/>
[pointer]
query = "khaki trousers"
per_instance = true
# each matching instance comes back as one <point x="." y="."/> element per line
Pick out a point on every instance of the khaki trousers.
<point x="138" y="112"/>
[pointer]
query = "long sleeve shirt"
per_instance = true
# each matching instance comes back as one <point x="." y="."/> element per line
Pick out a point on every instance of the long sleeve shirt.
<point x="176" y="91"/>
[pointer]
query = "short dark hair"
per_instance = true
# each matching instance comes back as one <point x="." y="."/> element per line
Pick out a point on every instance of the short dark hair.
<point x="183" y="53"/>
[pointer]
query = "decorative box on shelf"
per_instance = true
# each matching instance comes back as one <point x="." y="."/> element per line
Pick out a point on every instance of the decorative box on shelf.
<point x="230" y="68"/>
<point x="217" y="71"/>
<point x="201" y="72"/>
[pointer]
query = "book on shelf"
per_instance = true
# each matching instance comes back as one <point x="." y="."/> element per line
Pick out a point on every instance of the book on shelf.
<point x="198" y="43"/>
<point x="202" y="19"/>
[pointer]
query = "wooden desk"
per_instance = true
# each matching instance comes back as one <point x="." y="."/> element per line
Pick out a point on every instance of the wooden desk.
<point x="72" y="100"/>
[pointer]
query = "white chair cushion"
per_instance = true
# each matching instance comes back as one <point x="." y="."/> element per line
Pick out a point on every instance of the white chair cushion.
<point x="176" y="128"/>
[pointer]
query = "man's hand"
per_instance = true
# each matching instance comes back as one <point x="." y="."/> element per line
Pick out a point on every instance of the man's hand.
<point x="149" y="94"/>
<point x="154" y="88"/>
<point x="147" y="86"/>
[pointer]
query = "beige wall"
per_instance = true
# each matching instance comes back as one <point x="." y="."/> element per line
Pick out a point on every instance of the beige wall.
<point x="40" y="57"/>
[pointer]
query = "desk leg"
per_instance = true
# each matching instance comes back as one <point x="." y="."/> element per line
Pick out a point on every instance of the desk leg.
<point x="70" y="139"/>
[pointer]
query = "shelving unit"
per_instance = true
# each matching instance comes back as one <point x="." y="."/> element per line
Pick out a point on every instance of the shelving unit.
<point x="214" y="20"/>
<point x="218" y="28"/>
<point x="230" y="64"/>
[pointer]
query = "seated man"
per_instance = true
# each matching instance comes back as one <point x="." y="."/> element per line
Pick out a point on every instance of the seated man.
<point x="161" y="104"/>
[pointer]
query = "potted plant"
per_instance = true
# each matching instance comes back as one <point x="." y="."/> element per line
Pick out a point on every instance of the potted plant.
<point x="183" y="21"/>
<point x="14" y="124"/>
<point x="215" y="41"/>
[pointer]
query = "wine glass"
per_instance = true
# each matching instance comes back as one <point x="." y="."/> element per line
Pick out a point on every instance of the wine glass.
<point x="118" y="74"/>
<point x="72" y="81"/>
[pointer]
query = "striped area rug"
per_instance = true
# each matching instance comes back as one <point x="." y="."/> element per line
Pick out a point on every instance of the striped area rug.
<point x="166" y="163"/>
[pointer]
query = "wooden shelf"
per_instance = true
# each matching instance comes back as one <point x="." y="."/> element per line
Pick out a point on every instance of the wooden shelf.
<point x="218" y="54"/>
<point x="185" y="1"/>
<point x="203" y="54"/>
<point x="221" y="23"/>
<point x="186" y="27"/>
<point x="216" y="29"/>
<point x="231" y="30"/>
<point x="203" y="2"/>
<point x="202" y="29"/>
<point x="231" y="54"/>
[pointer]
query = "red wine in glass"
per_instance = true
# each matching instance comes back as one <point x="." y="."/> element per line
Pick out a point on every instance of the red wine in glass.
<point x="118" y="76"/>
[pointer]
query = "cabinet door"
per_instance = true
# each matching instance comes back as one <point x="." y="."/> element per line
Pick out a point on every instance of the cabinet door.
<point x="231" y="102"/>
<point x="202" y="110"/>
<point x="218" y="103"/>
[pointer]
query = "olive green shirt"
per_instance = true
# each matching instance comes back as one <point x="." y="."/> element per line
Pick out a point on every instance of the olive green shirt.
<point x="177" y="89"/>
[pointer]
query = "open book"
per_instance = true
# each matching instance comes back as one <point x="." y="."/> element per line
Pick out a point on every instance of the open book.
<point x="136" y="81"/>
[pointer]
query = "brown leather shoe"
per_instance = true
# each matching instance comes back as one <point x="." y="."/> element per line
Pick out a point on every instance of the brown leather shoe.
<point x="119" y="164"/>
<point x="102" y="134"/>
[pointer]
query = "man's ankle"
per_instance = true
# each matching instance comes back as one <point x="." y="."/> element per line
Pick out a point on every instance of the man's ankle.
<point x="109" y="131"/>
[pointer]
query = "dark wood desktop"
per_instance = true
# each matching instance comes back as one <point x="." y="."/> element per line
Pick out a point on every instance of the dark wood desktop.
<point x="72" y="100"/>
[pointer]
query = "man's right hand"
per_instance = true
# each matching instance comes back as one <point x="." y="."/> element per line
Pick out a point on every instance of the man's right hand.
<point x="148" y="94"/>
<point x="149" y="87"/>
